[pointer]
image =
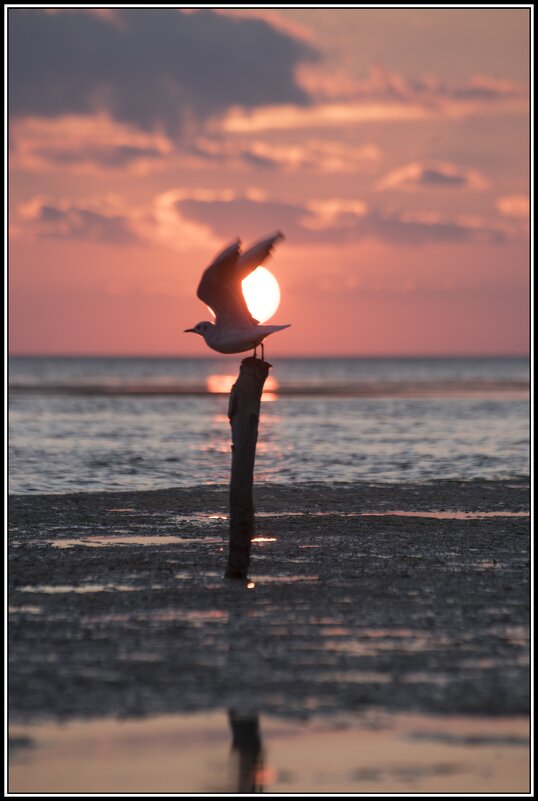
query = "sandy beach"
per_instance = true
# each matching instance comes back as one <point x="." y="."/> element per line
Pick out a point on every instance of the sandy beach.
<point x="363" y="599"/>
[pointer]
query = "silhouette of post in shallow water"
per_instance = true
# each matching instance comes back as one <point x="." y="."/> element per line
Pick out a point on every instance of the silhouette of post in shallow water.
<point x="244" y="413"/>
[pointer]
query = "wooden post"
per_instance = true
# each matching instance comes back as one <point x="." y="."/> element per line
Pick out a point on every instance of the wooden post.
<point x="244" y="412"/>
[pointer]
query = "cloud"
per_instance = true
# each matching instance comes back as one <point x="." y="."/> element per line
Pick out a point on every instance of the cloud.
<point x="116" y="156"/>
<point x="316" y="155"/>
<point x="190" y="220"/>
<point x="333" y="214"/>
<point x="334" y="221"/>
<point x="383" y="96"/>
<point x="240" y="215"/>
<point x="99" y="144"/>
<point x="85" y="145"/>
<point x="175" y="232"/>
<point x="516" y="206"/>
<point x="273" y="18"/>
<point x="384" y="84"/>
<point x="171" y="70"/>
<point x="156" y="69"/>
<point x="419" y="228"/>
<point x="432" y="175"/>
<point x="326" y="115"/>
<point x="65" y="220"/>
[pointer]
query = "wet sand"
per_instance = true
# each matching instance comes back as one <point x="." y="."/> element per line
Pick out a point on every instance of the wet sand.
<point x="119" y="608"/>
<point x="369" y="753"/>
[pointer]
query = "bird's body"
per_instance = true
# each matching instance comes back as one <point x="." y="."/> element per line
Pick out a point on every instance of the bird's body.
<point x="234" y="330"/>
<point x="235" y="340"/>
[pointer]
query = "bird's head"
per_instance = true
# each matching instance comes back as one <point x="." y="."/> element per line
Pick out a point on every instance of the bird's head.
<point x="204" y="328"/>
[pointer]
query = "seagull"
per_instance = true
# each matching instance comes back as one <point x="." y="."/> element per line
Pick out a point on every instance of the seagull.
<point x="235" y="330"/>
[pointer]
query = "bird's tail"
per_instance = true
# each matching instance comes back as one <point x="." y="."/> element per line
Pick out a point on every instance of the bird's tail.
<point x="265" y="330"/>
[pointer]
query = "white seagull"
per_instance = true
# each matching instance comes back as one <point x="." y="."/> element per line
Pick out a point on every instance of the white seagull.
<point x="235" y="330"/>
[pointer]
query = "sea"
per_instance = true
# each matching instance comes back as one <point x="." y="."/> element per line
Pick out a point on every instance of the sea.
<point x="85" y="424"/>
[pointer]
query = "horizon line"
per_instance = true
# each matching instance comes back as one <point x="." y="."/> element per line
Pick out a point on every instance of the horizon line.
<point x="30" y="355"/>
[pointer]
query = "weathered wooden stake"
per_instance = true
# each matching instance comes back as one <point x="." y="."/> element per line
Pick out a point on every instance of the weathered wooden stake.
<point x="244" y="413"/>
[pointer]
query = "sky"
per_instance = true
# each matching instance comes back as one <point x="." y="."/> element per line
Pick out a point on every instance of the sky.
<point x="390" y="146"/>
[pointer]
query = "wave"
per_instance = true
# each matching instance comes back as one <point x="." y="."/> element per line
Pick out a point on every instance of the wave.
<point x="221" y="385"/>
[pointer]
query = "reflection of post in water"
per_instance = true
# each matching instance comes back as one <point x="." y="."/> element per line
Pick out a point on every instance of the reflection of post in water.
<point x="247" y="749"/>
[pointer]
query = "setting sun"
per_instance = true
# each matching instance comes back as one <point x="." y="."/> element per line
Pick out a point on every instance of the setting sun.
<point x="262" y="294"/>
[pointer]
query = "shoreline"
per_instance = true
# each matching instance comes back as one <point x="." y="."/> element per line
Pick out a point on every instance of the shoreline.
<point x="480" y="491"/>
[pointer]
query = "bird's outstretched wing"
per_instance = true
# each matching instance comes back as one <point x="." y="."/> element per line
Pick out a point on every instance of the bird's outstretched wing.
<point x="257" y="254"/>
<point x="220" y="287"/>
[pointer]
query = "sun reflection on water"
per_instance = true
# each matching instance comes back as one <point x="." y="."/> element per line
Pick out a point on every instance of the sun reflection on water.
<point x="221" y="384"/>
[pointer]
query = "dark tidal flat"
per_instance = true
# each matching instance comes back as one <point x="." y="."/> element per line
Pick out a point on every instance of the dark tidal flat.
<point x="118" y="605"/>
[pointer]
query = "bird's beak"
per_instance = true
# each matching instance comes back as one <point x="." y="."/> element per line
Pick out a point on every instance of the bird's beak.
<point x="189" y="331"/>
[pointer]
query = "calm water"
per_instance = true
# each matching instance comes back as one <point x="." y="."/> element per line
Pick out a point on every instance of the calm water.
<point x="82" y="424"/>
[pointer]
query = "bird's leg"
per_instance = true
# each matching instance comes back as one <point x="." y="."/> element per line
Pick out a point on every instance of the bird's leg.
<point x="255" y="353"/>
<point x="263" y="356"/>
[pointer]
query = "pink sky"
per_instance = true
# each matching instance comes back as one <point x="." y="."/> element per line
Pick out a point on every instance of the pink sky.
<point x="391" y="146"/>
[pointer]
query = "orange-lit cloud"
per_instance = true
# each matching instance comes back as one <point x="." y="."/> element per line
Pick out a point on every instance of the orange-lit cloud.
<point x="333" y="214"/>
<point x="85" y="144"/>
<point x="318" y="155"/>
<point x="92" y="144"/>
<point x="340" y="220"/>
<point x="334" y="115"/>
<point x="384" y="96"/>
<point x="181" y="219"/>
<point x="328" y="115"/>
<point x="432" y="175"/>
<point x="514" y="206"/>
<point x="184" y="218"/>
<point x="176" y="232"/>
<point x="385" y="84"/>
<point x="44" y="218"/>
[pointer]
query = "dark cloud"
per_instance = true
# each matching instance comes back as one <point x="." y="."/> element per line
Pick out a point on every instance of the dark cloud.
<point x="318" y="155"/>
<point x="385" y="84"/>
<point x="438" y="178"/>
<point x="307" y="225"/>
<point x="150" y="67"/>
<point x="221" y="152"/>
<point x="433" y="175"/>
<point x="408" y="230"/>
<point x="242" y="217"/>
<point x="115" y="156"/>
<point x="487" y="89"/>
<point x="254" y="160"/>
<point x="76" y="222"/>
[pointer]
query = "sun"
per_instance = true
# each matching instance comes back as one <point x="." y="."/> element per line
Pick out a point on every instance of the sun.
<point x="262" y="294"/>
